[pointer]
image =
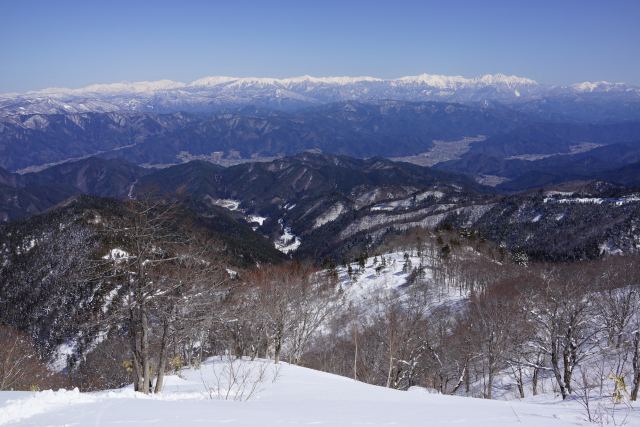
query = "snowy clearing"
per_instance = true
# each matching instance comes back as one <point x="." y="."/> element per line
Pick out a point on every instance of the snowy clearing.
<point x="256" y="218"/>
<point x="299" y="396"/>
<point x="368" y="282"/>
<point x="288" y="242"/>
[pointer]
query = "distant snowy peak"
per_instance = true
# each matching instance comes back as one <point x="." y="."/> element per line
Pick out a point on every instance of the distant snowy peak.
<point x="285" y="83"/>
<point x="602" y="87"/>
<point x="215" y="93"/>
<point x="435" y="81"/>
<point x="223" y="83"/>
<point x="459" y="81"/>
<point x="423" y="79"/>
<point x="212" y="81"/>
<point x="113" y="89"/>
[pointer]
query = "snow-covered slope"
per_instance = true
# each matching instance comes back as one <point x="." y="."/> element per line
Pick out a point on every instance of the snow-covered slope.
<point x="214" y="93"/>
<point x="299" y="396"/>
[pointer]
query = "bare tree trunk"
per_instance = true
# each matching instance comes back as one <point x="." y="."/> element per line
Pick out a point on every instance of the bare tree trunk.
<point x="520" y="383"/>
<point x="490" y="384"/>
<point x="163" y="357"/>
<point x="568" y="371"/>
<point x="636" y="366"/>
<point x="135" y="354"/>
<point x="277" y="347"/>
<point x="555" y="363"/>
<point x="355" y="357"/>
<point x="460" y="380"/>
<point x="390" y="369"/>
<point x="144" y="348"/>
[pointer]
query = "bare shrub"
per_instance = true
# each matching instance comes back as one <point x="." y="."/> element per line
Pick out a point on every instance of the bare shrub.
<point x="21" y="367"/>
<point x="239" y="379"/>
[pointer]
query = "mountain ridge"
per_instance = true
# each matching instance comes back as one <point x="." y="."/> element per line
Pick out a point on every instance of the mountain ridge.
<point x="439" y="81"/>
<point x="213" y="93"/>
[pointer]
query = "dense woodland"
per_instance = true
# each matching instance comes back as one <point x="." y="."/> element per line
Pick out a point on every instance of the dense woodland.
<point x="151" y="293"/>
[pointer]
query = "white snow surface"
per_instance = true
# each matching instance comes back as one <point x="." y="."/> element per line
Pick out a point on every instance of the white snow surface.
<point x="258" y="219"/>
<point x="282" y="245"/>
<point x="298" y="85"/>
<point x="330" y="215"/>
<point x="300" y="396"/>
<point x="367" y="283"/>
<point x="616" y="201"/>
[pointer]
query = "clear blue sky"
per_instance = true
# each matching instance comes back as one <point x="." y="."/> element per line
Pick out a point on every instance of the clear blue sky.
<point x="77" y="43"/>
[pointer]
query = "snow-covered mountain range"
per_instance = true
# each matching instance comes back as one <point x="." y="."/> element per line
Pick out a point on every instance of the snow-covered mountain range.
<point x="214" y="93"/>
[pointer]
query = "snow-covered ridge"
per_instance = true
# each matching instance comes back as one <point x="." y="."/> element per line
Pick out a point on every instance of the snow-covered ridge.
<point x="212" y="94"/>
<point x="114" y="88"/>
<point x="459" y="81"/>
<point x="208" y="82"/>
<point x="255" y="81"/>
<point x="429" y="80"/>
<point x="598" y="86"/>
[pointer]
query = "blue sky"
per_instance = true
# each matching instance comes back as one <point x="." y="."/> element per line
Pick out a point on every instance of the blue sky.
<point x="75" y="44"/>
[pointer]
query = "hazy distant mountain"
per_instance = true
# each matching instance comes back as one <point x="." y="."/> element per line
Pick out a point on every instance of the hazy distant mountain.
<point x="214" y="93"/>
<point x="553" y="138"/>
<point x="358" y="129"/>
<point x="37" y="140"/>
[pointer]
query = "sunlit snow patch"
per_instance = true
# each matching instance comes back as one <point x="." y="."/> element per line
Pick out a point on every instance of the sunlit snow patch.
<point x="230" y="204"/>
<point x="288" y="242"/>
<point x="256" y="218"/>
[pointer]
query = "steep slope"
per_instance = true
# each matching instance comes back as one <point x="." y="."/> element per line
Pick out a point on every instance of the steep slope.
<point x="44" y="255"/>
<point x="309" y="194"/>
<point x="555" y="227"/>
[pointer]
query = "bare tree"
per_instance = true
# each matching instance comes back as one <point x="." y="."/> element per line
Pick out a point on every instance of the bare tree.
<point x="318" y="298"/>
<point x="276" y="293"/>
<point x="563" y="313"/>
<point x="20" y="364"/>
<point x="492" y="316"/>
<point x="161" y="272"/>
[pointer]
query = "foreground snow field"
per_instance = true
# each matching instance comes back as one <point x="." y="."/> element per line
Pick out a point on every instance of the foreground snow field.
<point x="299" y="396"/>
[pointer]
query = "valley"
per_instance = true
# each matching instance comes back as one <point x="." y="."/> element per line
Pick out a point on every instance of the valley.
<point x="442" y="151"/>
